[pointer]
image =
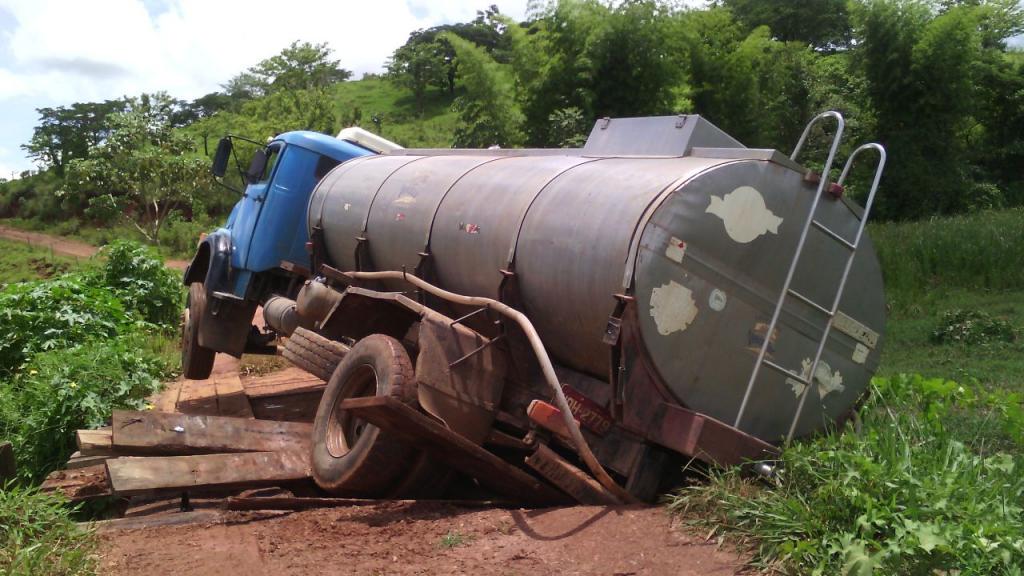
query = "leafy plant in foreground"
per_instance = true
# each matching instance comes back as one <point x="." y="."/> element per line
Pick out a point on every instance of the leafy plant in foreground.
<point x="53" y="314"/>
<point x="917" y="491"/>
<point x="142" y="282"/>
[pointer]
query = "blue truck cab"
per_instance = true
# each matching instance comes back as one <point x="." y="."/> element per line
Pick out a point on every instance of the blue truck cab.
<point x="261" y="250"/>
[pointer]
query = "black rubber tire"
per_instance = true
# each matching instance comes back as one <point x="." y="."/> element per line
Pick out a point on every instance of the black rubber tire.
<point x="313" y="353"/>
<point x="350" y="456"/>
<point x="196" y="361"/>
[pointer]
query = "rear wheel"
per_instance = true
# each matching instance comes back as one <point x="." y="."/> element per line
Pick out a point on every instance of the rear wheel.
<point x="196" y="361"/>
<point x="351" y="456"/>
<point x="314" y="353"/>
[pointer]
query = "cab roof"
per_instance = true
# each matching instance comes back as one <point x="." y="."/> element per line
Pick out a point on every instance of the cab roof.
<point x="323" y="144"/>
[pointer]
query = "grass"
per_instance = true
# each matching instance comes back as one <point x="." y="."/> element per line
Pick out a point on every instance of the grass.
<point x="929" y="484"/>
<point x="20" y="262"/>
<point x="38" y="536"/>
<point x="401" y="122"/>
<point x="453" y="539"/>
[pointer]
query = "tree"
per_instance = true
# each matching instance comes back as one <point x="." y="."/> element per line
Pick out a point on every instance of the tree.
<point x="822" y="24"/>
<point x="300" y="66"/>
<point x="66" y="133"/>
<point x="417" y="65"/>
<point x="488" y="113"/>
<point x="144" y="168"/>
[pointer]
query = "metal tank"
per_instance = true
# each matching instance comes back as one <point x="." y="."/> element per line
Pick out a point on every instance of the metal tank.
<point x="671" y="212"/>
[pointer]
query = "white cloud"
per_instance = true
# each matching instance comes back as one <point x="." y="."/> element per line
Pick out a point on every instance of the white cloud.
<point x="73" y="50"/>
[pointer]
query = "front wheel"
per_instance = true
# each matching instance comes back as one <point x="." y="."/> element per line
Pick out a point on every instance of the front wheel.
<point x="196" y="361"/>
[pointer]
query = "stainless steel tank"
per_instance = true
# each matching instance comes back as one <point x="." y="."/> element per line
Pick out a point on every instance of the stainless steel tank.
<point x="700" y="230"/>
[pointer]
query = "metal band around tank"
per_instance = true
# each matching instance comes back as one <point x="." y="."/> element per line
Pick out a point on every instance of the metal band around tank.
<point x="323" y="200"/>
<point x="652" y="207"/>
<point x="519" y="228"/>
<point x="437" y="206"/>
<point x="369" y="205"/>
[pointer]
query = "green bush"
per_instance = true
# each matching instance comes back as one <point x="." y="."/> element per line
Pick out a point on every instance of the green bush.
<point x="139" y="278"/>
<point x="39" y="538"/>
<point x="972" y="327"/>
<point x="982" y="250"/>
<point x="64" y="390"/>
<point x="54" y="314"/>
<point x="917" y="490"/>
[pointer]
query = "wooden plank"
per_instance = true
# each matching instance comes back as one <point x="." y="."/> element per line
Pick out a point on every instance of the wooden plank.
<point x="197" y="397"/>
<point x="282" y="383"/>
<point x="575" y="482"/>
<point x="76" y="462"/>
<point x="231" y="398"/>
<point x="94" y="442"/>
<point x="78" y="485"/>
<point x="421" y="431"/>
<point x="141" y="475"/>
<point x="299" y="407"/>
<point x="166" y="400"/>
<point x="8" y="468"/>
<point x="149" y="432"/>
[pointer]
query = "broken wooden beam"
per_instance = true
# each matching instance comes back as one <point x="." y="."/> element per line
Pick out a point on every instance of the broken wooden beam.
<point x="141" y="433"/>
<point x="80" y="484"/>
<point x="421" y="431"/>
<point x="292" y="395"/>
<point x="575" y="482"/>
<point x="94" y="442"/>
<point x="130" y="476"/>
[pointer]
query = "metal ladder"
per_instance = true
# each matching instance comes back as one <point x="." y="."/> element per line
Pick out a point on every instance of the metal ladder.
<point x="851" y="248"/>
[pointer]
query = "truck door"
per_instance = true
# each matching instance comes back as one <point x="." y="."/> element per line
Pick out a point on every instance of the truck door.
<point x="243" y="228"/>
<point x="281" y="229"/>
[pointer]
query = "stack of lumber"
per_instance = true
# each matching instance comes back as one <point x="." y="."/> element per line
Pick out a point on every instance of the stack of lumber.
<point x="159" y="452"/>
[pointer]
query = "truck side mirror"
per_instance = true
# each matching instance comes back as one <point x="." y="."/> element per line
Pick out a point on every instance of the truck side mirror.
<point x="220" y="158"/>
<point x="257" y="166"/>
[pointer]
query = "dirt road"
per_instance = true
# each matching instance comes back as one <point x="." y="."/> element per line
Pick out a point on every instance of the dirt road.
<point x="393" y="538"/>
<point x="65" y="246"/>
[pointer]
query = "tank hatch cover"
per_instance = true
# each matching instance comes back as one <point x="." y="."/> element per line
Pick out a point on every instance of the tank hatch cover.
<point x="655" y="136"/>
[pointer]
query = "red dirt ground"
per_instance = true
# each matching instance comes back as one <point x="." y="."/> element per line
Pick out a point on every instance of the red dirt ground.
<point x="403" y="538"/>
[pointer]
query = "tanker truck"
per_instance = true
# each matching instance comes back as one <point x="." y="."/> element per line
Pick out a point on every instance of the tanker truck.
<point x="577" y="323"/>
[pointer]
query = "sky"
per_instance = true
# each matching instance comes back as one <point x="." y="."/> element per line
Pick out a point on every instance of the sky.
<point x="54" y="53"/>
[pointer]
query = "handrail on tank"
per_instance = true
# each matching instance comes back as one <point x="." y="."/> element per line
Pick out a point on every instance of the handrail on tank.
<point x="841" y="122"/>
<point x="542" y="356"/>
<point x="846" y="270"/>
<point x="840" y="126"/>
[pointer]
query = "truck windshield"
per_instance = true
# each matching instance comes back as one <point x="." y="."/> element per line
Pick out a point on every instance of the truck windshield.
<point x="273" y="152"/>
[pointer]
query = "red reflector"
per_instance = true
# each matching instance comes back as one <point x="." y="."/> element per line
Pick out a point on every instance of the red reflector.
<point x="309" y="247"/>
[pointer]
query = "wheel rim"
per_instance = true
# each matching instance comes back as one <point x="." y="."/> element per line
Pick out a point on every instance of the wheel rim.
<point x="343" y="430"/>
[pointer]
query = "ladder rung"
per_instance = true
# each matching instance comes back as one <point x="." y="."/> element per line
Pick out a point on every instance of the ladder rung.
<point x="811" y="303"/>
<point x="846" y="243"/>
<point x="785" y="372"/>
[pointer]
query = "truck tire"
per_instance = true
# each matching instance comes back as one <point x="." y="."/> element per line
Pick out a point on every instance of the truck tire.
<point x="196" y="361"/>
<point x="350" y="456"/>
<point x="313" y="353"/>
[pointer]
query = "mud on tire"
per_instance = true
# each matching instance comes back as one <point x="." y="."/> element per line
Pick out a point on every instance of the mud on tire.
<point x="313" y="353"/>
<point x="350" y="456"/>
